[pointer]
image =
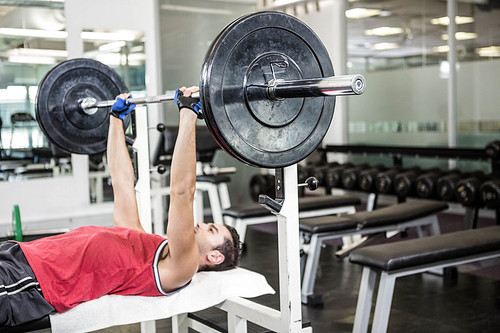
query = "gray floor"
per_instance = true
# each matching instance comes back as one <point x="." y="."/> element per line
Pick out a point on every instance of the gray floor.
<point x="468" y="302"/>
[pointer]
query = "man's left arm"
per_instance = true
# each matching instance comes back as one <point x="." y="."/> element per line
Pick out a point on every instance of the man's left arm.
<point x="125" y="211"/>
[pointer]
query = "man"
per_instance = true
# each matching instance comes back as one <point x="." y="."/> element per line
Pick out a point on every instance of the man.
<point x="57" y="273"/>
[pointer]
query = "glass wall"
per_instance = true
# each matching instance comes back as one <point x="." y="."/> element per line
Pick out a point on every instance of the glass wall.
<point x="401" y="46"/>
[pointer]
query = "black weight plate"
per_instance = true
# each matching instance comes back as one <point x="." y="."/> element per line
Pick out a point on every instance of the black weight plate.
<point x="57" y="105"/>
<point x="253" y="128"/>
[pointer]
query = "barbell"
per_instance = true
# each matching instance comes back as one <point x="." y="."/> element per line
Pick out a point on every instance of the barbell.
<point x="267" y="90"/>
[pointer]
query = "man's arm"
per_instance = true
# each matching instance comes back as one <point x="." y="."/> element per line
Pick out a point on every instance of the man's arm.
<point x="125" y="212"/>
<point x="184" y="253"/>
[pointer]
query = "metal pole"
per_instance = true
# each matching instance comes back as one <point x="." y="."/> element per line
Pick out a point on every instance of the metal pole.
<point x="452" y="79"/>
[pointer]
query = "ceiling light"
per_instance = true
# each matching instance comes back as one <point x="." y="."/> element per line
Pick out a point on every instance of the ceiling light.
<point x="461" y="36"/>
<point x="490" y="51"/>
<point x="196" y="10"/>
<point x="441" y="49"/>
<point x="33" y="33"/>
<point x="445" y="20"/>
<point x="87" y="35"/>
<point x="357" y="13"/>
<point x="114" y="46"/>
<point x="384" y="46"/>
<point x="22" y="59"/>
<point x="108" y="36"/>
<point x="383" y="31"/>
<point x="38" y="53"/>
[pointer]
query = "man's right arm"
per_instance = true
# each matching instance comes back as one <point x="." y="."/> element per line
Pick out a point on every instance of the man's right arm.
<point x="184" y="253"/>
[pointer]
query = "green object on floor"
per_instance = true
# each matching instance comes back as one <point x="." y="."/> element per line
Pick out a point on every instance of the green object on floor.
<point x="16" y="224"/>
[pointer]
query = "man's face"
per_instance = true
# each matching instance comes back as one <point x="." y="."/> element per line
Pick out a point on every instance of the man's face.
<point x="209" y="235"/>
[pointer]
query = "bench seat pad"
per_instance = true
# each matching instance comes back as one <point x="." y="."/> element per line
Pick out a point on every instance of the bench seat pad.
<point x="391" y="215"/>
<point x="403" y="212"/>
<point x="428" y="250"/>
<point x="214" y="179"/>
<point x="305" y="204"/>
<point x="329" y="223"/>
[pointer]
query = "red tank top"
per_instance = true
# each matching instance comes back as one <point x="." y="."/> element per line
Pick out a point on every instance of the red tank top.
<point x="89" y="262"/>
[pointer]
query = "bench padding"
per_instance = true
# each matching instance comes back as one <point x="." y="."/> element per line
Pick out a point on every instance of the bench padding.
<point x="214" y="179"/>
<point x="428" y="250"/>
<point x="305" y="204"/>
<point x="403" y="212"/>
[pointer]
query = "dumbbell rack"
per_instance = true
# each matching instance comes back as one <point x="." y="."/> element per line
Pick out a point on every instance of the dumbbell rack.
<point x="399" y="152"/>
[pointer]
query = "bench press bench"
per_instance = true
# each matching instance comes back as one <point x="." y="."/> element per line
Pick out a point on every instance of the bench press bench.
<point x="316" y="230"/>
<point x="390" y="261"/>
<point x="241" y="216"/>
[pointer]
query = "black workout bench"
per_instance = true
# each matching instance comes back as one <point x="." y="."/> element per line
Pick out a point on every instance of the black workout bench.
<point x="398" y="217"/>
<point x="390" y="261"/>
<point x="241" y="216"/>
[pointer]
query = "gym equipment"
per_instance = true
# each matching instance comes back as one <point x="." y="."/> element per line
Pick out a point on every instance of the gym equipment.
<point x="267" y="91"/>
<point x="493" y="149"/>
<point x="16" y="224"/>
<point x="350" y="176"/>
<point x="416" y="213"/>
<point x="261" y="184"/>
<point x="367" y="178"/>
<point x="445" y="186"/>
<point x="315" y="172"/>
<point x="384" y="180"/>
<point x="333" y="176"/>
<point x="387" y="262"/>
<point x="426" y="183"/>
<point x="467" y="190"/>
<point x="490" y="193"/>
<point x="404" y="182"/>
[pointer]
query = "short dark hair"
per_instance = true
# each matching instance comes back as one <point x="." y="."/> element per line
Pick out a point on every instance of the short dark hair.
<point x="231" y="249"/>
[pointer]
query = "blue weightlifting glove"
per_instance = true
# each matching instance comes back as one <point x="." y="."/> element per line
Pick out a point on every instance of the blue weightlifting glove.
<point x="191" y="103"/>
<point x="121" y="108"/>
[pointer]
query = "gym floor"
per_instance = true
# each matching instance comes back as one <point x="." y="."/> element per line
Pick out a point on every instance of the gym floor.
<point x="464" y="303"/>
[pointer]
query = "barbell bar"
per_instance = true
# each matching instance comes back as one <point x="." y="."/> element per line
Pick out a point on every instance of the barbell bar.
<point x="276" y="90"/>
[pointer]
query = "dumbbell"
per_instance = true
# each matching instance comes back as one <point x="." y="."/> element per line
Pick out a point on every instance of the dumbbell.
<point x="493" y="150"/>
<point x="426" y="183"/>
<point x="447" y="184"/>
<point x="404" y="181"/>
<point x="350" y="176"/>
<point x="333" y="174"/>
<point x="490" y="193"/>
<point x="467" y="190"/>
<point x="261" y="184"/>
<point x="367" y="178"/>
<point x="384" y="180"/>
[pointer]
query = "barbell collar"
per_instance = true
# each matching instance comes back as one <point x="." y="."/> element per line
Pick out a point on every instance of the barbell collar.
<point x="330" y="86"/>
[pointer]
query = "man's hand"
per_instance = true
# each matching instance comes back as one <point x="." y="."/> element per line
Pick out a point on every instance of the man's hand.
<point x="183" y="99"/>
<point x="122" y="107"/>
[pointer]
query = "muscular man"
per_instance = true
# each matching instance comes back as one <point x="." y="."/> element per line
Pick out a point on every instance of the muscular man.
<point x="57" y="273"/>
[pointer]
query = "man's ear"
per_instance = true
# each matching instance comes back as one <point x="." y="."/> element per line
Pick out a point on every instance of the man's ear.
<point x="215" y="257"/>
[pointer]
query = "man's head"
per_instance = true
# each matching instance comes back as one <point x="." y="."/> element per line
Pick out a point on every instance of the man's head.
<point x="219" y="246"/>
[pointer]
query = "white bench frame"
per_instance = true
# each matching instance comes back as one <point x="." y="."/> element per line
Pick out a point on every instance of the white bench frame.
<point x="317" y="240"/>
<point x="386" y="290"/>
